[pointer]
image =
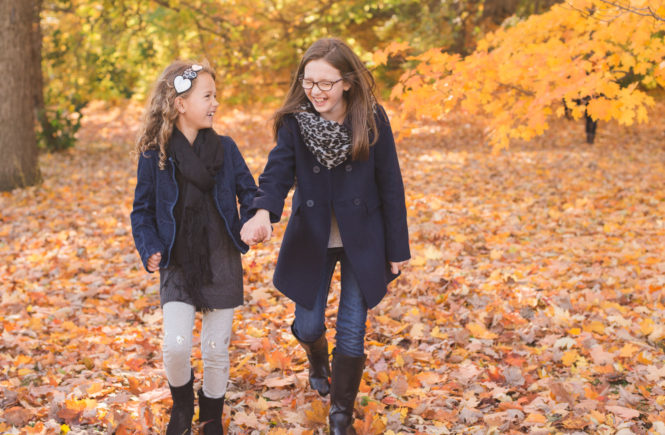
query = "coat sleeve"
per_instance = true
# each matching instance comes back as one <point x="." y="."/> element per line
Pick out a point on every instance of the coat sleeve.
<point x="245" y="184"/>
<point x="391" y="191"/>
<point x="278" y="175"/>
<point x="143" y="215"/>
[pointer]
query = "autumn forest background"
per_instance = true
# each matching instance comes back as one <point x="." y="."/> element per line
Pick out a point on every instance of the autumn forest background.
<point x="531" y="140"/>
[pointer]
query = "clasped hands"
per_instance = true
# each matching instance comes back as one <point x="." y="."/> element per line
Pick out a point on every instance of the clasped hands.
<point x="257" y="229"/>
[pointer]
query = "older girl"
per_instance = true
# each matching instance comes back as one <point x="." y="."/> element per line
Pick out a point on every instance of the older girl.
<point x="348" y="207"/>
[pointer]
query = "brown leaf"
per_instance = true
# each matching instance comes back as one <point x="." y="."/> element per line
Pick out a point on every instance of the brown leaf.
<point x="17" y="416"/>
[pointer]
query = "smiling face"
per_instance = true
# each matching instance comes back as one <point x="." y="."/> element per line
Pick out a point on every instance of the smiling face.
<point x="330" y="104"/>
<point x="197" y="108"/>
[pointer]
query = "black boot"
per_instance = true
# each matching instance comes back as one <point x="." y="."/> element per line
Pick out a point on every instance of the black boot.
<point x="182" y="411"/>
<point x="319" y="363"/>
<point x="210" y="414"/>
<point x="347" y="371"/>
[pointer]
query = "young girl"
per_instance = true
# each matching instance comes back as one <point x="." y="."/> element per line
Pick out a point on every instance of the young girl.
<point x="185" y="224"/>
<point x="348" y="207"/>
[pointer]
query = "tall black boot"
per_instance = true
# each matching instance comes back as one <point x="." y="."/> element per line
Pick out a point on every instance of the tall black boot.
<point x="210" y="414"/>
<point x="319" y="363"/>
<point x="182" y="411"/>
<point x="347" y="372"/>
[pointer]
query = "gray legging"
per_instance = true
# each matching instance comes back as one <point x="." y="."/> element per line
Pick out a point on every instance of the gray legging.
<point x="177" y="346"/>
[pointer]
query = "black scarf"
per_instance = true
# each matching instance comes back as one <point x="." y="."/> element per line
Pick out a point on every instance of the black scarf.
<point x="329" y="141"/>
<point x="196" y="164"/>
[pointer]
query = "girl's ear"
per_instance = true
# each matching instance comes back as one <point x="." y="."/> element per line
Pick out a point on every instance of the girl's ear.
<point x="346" y="86"/>
<point x="180" y="107"/>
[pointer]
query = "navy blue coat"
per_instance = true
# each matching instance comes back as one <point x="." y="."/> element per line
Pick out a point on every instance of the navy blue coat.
<point x="368" y="200"/>
<point x="156" y="194"/>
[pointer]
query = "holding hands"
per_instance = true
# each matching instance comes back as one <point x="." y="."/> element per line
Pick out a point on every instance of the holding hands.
<point x="257" y="229"/>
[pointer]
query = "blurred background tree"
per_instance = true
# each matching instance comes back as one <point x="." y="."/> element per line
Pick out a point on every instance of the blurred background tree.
<point x="592" y="59"/>
<point x="112" y="50"/>
<point x="20" y="88"/>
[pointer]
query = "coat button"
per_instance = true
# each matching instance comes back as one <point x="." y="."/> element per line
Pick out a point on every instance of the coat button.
<point x="316" y="169"/>
<point x="356" y="201"/>
<point x="310" y="203"/>
<point x="349" y="168"/>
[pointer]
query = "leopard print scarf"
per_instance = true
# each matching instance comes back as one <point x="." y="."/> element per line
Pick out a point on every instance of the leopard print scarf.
<point x="329" y="141"/>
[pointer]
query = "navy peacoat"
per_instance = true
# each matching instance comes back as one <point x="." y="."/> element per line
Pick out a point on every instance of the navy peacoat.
<point x="156" y="193"/>
<point x="368" y="200"/>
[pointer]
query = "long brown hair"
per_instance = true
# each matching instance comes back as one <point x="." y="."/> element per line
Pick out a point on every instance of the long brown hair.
<point x="161" y="113"/>
<point x="359" y="98"/>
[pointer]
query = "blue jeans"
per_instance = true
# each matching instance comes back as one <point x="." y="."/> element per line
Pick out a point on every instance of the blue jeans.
<point x="309" y="325"/>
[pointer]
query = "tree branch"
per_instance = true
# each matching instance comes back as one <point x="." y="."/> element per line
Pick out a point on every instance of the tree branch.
<point x="644" y="12"/>
<point x="517" y="88"/>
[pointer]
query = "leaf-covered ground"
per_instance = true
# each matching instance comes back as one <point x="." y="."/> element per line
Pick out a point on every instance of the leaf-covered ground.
<point x="533" y="302"/>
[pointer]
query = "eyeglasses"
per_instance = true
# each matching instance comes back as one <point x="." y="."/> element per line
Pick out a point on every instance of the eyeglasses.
<point x="323" y="85"/>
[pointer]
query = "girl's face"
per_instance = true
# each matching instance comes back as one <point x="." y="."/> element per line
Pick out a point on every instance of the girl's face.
<point x="198" y="109"/>
<point x="330" y="104"/>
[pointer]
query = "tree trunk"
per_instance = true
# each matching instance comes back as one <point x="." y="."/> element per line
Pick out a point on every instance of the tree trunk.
<point x="36" y="56"/>
<point x="18" y="144"/>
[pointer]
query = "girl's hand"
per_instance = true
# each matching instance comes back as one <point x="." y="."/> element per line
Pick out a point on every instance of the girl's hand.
<point x="153" y="261"/>
<point x="395" y="266"/>
<point x="257" y="229"/>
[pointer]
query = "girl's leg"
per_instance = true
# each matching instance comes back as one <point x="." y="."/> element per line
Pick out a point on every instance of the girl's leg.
<point x="176" y="349"/>
<point x="215" y="337"/>
<point x="309" y="328"/>
<point x="177" y="345"/>
<point x="309" y="325"/>
<point x="349" y="354"/>
<point x="351" y="315"/>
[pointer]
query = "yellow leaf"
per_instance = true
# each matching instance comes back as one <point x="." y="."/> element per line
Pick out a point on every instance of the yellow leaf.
<point x="594" y="326"/>
<point x="646" y="326"/>
<point x="569" y="358"/>
<point x="436" y="333"/>
<point x="479" y="331"/>
<point x="22" y="359"/>
<point x="383" y="377"/>
<point x="597" y="416"/>
<point x="574" y="331"/>
<point x="609" y="227"/>
<point x="644" y="359"/>
<point x="628" y="350"/>
<point x="380" y="57"/>
<point x="318" y="413"/>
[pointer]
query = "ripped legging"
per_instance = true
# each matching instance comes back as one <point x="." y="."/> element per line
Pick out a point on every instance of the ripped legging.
<point x="177" y="346"/>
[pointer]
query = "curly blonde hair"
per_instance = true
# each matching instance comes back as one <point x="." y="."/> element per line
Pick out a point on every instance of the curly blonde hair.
<point x="161" y="113"/>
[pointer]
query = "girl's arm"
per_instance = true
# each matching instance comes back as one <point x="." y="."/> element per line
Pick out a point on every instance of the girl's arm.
<point x="391" y="192"/>
<point x="278" y="175"/>
<point x="245" y="184"/>
<point x="143" y="215"/>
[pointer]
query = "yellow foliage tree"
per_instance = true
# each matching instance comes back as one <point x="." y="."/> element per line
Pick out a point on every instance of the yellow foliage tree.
<point x="595" y="56"/>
